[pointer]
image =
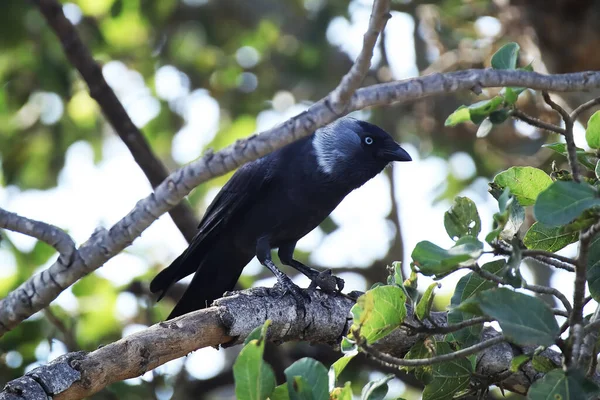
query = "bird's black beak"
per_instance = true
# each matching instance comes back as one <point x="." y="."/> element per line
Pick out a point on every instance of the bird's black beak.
<point x="395" y="153"/>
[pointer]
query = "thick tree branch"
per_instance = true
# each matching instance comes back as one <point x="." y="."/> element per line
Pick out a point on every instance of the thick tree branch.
<point x="81" y="58"/>
<point x="228" y="322"/>
<point x="33" y="295"/>
<point x="352" y="80"/>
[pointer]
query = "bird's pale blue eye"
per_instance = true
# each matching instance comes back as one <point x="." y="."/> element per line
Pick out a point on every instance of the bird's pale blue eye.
<point x="369" y="140"/>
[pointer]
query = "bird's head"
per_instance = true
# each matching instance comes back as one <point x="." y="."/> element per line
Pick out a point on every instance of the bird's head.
<point x="355" y="149"/>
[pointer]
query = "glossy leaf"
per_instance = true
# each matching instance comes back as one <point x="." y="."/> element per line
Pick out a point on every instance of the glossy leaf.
<point x="344" y="393"/>
<point x="280" y="393"/>
<point x="307" y="379"/>
<point x="462" y="219"/>
<point x="542" y="237"/>
<point x="506" y="57"/>
<point x="592" y="131"/>
<point x="593" y="269"/>
<point x="424" y="305"/>
<point x="586" y="159"/>
<point x="254" y="379"/>
<point x="564" y="201"/>
<point x="378" y="312"/>
<point x="449" y="378"/>
<point x="376" y="390"/>
<point x="467" y="287"/>
<point x="525" y="183"/>
<point x="560" y="385"/>
<point x="433" y="260"/>
<point x="525" y="320"/>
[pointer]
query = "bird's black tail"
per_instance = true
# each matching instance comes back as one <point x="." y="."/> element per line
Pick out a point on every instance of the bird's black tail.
<point x="217" y="271"/>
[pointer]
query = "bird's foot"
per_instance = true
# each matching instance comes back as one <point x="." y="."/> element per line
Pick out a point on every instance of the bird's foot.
<point x="327" y="282"/>
<point x="285" y="286"/>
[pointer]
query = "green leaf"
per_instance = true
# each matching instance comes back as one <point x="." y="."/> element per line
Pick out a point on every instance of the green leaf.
<point x="307" y="379"/>
<point x="395" y="276"/>
<point x="467" y="287"/>
<point x="542" y="364"/>
<point x="515" y="218"/>
<point x="552" y="239"/>
<point x="344" y="393"/>
<point x="418" y="351"/>
<point x="378" y="312"/>
<point x="593" y="269"/>
<point x="506" y="57"/>
<point x="480" y="110"/>
<point x="376" y="390"/>
<point x="592" y="132"/>
<point x="564" y="201"/>
<point x="254" y="379"/>
<point x="597" y="170"/>
<point x="586" y="159"/>
<point x="462" y="219"/>
<point x="258" y="332"/>
<point x="449" y="378"/>
<point x="518" y="361"/>
<point x="525" y="183"/>
<point x="433" y="260"/>
<point x="499" y="116"/>
<point x="462" y="114"/>
<point x="510" y="95"/>
<point x="560" y="385"/>
<point x="280" y="393"/>
<point x="348" y="346"/>
<point x="424" y="305"/>
<point x="525" y="320"/>
<point x="476" y="112"/>
<point x="337" y="367"/>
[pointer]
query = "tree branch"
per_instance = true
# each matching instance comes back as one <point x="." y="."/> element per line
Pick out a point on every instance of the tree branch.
<point x="49" y="234"/>
<point x="352" y="80"/>
<point x="34" y="294"/>
<point x="227" y="322"/>
<point x="569" y="122"/>
<point x="538" y="123"/>
<point x="388" y="360"/>
<point x="81" y="58"/>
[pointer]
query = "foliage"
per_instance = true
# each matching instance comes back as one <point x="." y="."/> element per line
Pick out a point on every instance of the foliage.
<point x="525" y="321"/>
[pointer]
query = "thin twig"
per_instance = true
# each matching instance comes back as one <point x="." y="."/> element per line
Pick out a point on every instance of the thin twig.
<point x="583" y="107"/>
<point x="571" y="148"/>
<point x="392" y="361"/>
<point x="535" y="253"/>
<point x="442" y="330"/>
<point x="560" y="312"/>
<point x="351" y="81"/>
<point x="538" y="123"/>
<point x="67" y="333"/>
<point x="81" y="58"/>
<point x="533" y="288"/>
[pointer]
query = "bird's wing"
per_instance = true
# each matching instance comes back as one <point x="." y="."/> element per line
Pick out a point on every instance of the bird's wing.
<point x="240" y="192"/>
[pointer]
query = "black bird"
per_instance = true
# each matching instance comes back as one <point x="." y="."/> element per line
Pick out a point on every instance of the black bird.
<point x="272" y="203"/>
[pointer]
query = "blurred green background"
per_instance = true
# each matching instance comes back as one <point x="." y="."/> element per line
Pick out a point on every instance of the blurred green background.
<point x="198" y="74"/>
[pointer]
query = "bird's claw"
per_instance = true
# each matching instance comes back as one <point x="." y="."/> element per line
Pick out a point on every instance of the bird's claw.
<point x="300" y="296"/>
<point x="327" y="282"/>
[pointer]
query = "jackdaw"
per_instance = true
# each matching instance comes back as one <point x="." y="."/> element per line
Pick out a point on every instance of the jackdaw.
<point x="272" y="203"/>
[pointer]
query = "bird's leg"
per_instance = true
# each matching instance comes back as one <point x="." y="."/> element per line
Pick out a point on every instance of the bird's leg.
<point x="263" y="253"/>
<point x="325" y="280"/>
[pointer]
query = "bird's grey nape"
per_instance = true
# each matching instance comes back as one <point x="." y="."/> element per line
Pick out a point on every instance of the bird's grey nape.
<point x="336" y="143"/>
